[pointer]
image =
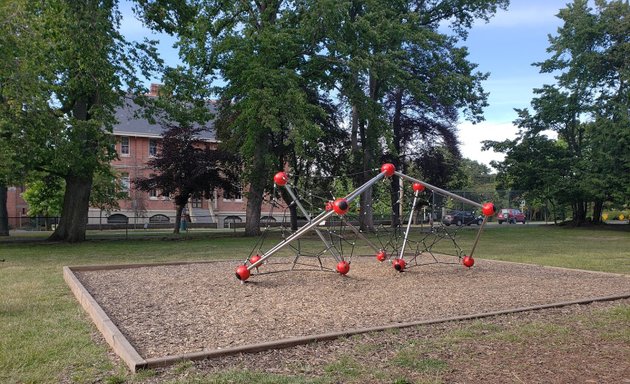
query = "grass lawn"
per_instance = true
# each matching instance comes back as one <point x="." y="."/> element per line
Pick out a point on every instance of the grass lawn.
<point x="47" y="337"/>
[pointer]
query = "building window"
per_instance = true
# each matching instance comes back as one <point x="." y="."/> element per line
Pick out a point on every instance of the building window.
<point x="237" y="196"/>
<point x="124" y="146"/>
<point x="196" y="203"/>
<point x="152" y="147"/>
<point x="153" y="195"/>
<point x="125" y="182"/>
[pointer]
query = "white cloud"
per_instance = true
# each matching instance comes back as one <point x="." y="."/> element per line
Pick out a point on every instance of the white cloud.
<point x="471" y="137"/>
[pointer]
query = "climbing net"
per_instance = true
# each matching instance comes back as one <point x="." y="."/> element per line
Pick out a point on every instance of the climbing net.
<point x="334" y="237"/>
<point x="335" y="226"/>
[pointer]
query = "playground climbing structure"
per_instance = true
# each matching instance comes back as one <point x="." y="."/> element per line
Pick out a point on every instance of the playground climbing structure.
<point x="333" y="228"/>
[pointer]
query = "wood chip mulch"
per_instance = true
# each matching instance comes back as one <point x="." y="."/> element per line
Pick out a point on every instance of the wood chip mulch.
<point x="167" y="310"/>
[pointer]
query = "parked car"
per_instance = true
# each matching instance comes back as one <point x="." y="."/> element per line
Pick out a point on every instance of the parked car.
<point x="510" y="216"/>
<point x="461" y="218"/>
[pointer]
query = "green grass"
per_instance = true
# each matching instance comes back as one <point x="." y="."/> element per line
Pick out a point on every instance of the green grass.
<point x="46" y="336"/>
<point x="578" y="248"/>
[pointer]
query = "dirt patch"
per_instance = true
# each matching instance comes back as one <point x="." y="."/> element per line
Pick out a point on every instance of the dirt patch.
<point x="176" y="309"/>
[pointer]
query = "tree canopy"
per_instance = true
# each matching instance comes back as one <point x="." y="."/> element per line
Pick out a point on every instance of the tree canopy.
<point x="587" y="109"/>
<point x="284" y="64"/>
<point x="67" y="71"/>
<point x="186" y="166"/>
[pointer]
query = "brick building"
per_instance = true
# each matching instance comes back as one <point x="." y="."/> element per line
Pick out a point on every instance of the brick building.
<point x="17" y="208"/>
<point x="137" y="141"/>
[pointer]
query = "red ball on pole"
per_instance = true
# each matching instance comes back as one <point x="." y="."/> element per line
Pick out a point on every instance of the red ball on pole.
<point x="343" y="267"/>
<point x="281" y="179"/>
<point x="381" y="256"/>
<point x="242" y="273"/>
<point x="468" y="261"/>
<point x="341" y="206"/>
<point x="399" y="265"/>
<point x="417" y="187"/>
<point x="254" y="259"/>
<point x="388" y="169"/>
<point x="488" y="209"/>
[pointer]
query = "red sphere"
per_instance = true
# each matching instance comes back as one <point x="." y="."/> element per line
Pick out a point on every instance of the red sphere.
<point x="418" y="187"/>
<point x="343" y="267"/>
<point x="388" y="169"/>
<point x="242" y="273"/>
<point x="488" y="209"/>
<point x="468" y="261"/>
<point x="254" y="259"/>
<point x="399" y="265"/>
<point x="381" y="256"/>
<point x="341" y="206"/>
<point x="281" y="179"/>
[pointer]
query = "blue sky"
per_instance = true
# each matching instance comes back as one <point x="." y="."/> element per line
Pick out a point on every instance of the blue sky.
<point x="505" y="47"/>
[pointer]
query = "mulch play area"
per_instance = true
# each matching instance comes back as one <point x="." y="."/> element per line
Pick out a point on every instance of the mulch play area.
<point x="157" y="314"/>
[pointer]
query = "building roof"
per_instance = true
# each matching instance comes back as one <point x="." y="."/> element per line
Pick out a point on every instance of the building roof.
<point x="131" y="122"/>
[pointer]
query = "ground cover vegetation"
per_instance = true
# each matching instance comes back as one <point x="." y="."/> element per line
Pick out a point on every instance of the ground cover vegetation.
<point x="47" y="337"/>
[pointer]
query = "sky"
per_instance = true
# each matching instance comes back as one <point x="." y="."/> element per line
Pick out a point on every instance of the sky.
<point x="505" y="47"/>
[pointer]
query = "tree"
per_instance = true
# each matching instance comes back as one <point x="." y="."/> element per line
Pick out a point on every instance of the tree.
<point x="389" y="62"/>
<point x="273" y="54"/>
<point x="74" y="82"/>
<point x="16" y="76"/>
<point x="6" y="161"/>
<point x="260" y="51"/>
<point x="186" y="167"/>
<point x="587" y="108"/>
<point x="44" y="197"/>
<point x="538" y="165"/>
<point x="107" y="190"/>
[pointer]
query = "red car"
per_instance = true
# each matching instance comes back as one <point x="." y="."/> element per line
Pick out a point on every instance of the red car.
<point x="511" y="216"/>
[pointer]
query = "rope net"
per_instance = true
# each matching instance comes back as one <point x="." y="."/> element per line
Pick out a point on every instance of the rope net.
<point x="331" y="230"/>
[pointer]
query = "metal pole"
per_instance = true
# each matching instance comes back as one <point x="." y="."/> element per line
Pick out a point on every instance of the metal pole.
<point x="350" y="198"/>
<point x="401" y="194"/>
<point x="404" y="244"/>
<point x="329" y="246"/>
<point x="440" y="190"/>
<point x="321" y="217"/>
<point x="483" y="223"/>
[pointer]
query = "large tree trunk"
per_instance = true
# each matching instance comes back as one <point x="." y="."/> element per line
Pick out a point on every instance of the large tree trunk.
<point x="579" y="213"/>
<point x="4" y="214"/>
<point x="76" y="202"/>
<point x="598" y="207"/>
<point x="397" y="141"/>
<point x="366" y="218"/>
<point x="254" y="205"/>
<point x="256" y="190"/>
<point x="293" y="209"/>
<point x="178" y="217"/>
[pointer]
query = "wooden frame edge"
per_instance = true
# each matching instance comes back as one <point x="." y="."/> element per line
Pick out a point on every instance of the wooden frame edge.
<point x="119" y="343"/>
